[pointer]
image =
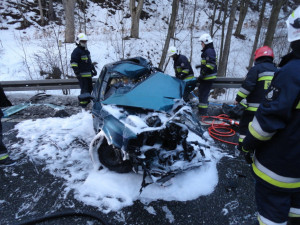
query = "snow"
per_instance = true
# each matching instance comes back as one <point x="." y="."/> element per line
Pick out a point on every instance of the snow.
<point x="149" y="209"/>
<point x="25" y="52"/>
<point x="61" y="144"/>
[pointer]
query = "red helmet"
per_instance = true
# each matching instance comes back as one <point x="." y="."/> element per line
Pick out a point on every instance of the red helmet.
<point x="263" y="51"/>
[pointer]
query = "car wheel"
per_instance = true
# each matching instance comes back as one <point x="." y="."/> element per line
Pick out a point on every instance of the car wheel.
<point x="112" y="159"/>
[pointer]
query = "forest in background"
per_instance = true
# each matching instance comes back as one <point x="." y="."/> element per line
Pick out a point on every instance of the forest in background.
<point x="179" y="23"/>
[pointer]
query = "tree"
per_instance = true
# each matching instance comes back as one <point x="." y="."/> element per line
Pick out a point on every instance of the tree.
<point x="273" y="22"/>
<point x="224" y="7"/>
<point x="213" y="18"/>
<point x="192" y="29"/>
<point x="41" y="13"/>
<point x="135" y="17"/>
<point x="82" y="8"/>
<point x="51" y="13"/>
<point x="257" y="5"/>
<point x="259" y="25"/>
<point x="225" y="54"/>
<point x="243" y="12"/>
<point x="171" y="31"/>
<point x="69" y="7"/>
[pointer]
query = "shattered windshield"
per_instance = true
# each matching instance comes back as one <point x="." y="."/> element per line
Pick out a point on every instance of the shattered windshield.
<point x="120" y="85"/>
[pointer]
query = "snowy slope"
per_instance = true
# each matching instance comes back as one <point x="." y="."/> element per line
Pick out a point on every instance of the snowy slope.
<point x="24" y="53"/>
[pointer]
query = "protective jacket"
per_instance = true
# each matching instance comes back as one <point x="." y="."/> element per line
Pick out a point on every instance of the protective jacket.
<point x="182" y="67"/>
<point x="81" y="62"/>
<point x="4" y="102"/>
<point x="208" y="62"/>
<point x="257" y="82"/>
<point x="274" y="131"/>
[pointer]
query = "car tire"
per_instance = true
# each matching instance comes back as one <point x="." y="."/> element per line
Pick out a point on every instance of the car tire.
<point x="111" y="158"/>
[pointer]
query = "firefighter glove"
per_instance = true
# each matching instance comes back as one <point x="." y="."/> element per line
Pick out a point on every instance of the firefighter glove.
<point x="200" y="78"/>
<point x="180" y="76"/>
<point x="248" y="157"/>
<point x="94" y="73"/>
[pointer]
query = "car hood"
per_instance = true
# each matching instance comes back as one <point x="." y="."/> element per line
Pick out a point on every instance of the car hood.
<point x="158" y="92"/>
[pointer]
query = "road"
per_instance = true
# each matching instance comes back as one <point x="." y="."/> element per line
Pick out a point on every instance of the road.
<point x="28" y="191"/>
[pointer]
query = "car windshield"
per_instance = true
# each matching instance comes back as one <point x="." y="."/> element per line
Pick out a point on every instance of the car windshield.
<point x="119" y="85"/>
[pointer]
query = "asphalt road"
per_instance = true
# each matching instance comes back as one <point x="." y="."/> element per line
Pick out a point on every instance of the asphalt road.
<point x="28" y="191"/>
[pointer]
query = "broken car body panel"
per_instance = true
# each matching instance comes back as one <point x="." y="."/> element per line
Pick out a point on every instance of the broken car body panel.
<point x="143" y="121"/>
<point x="161" y="92"/>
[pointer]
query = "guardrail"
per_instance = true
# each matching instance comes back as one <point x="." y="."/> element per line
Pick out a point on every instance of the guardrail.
<point x="227" y="82"/>
<point x="60" y="84"/>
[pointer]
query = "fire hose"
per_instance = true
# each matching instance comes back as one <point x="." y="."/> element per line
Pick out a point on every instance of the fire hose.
<point x="223" y="129"/>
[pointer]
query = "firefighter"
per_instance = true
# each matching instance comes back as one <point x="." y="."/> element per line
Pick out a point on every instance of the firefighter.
<point x="274" y="137"/>
<point x="208" y="72"/>
<point x="253" y="88"/>
<point x="183" y="71"/>
<point x="83" y="68"/>
<point x="4" y="157"/>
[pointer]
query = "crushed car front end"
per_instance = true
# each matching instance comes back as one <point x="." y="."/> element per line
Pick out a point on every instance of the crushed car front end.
<point x="146" y="128"/>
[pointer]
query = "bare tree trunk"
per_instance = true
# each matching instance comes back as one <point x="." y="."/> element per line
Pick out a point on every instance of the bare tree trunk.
<point x="25" y="22"/>
<point x="192" y="29"/>
<point x="183" y="3"/>
<point x="224" y="60"/>
<point x="82" y="5"/>
<point x="259" y="25"/>
<point x="225" y="7"/>
<point x="135" y="17"/>
<point x="257" y="5"/>
<point x="51" y="13"/>
<point x="243" y="12"/>
<point x="273" y="22"/>
<point x="69" y="7"/>
<point x="213" y="19"/>
<point x="171" y="31"/>
<point x="41" y="13"/>
<point x="220" y="12"/>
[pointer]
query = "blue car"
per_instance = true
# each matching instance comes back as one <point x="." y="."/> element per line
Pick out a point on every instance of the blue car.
<point x="142" y="123"/>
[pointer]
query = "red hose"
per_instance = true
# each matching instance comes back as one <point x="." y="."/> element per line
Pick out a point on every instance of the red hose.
<point x="217" y="130"/>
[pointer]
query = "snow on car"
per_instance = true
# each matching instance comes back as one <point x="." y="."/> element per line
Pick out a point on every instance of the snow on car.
<point x="142" y="123"/>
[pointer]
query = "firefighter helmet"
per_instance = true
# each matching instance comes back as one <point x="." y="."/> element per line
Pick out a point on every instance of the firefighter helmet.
<point x="172" y="51"/>
<point x="263" y="51"/>
<point x="293" y="25"/>
<point x="206" y="39"/>
<point x="81" y="37"/>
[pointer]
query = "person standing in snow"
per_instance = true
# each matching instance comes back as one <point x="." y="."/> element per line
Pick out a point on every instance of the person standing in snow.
<point x="4" y="157"/>
<point x="183" y="71"/>
<point x="83" y="68"/>
<point x="257" y="81"/>
<point x="274" y="137"/>
<point x="208" y="72"/>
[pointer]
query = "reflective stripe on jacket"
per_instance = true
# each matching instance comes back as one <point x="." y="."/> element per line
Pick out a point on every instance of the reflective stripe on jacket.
<point x="182" y="66"/>
<point x="257" y="82"/>
<point x="81" y="62"/>
<point x="275" y="130"/>
<point x="209" y="62"/>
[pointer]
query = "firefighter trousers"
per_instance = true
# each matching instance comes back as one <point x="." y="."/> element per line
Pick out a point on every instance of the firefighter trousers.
<point x="3" y="149"/>
<point x="203" y="93"/>
<point x="276" y="205"/>
<point x="247" y="117"/>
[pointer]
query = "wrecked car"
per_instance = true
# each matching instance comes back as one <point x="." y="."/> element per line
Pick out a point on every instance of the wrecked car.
<point x="142" y="123"/>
